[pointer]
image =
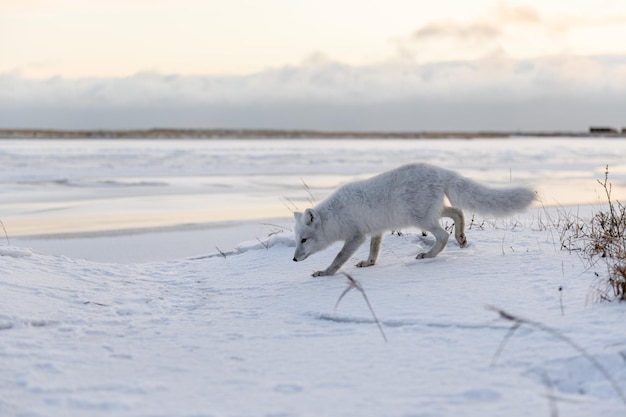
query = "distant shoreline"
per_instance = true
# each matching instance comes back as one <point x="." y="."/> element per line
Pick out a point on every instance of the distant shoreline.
<point x="159" y="133"/>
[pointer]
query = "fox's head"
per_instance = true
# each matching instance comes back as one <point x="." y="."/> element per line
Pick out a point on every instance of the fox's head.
<point x="308" y="234"/>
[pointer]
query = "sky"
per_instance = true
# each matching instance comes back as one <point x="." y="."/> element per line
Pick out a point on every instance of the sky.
<point x="329" y="65"/>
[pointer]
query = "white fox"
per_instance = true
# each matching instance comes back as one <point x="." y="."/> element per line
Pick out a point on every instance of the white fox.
<point x="411" y="195"/>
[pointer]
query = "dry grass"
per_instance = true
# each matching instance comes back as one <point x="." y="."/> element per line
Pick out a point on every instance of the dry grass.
<point x="353" y="283"/>
<point x="600" y="239"/>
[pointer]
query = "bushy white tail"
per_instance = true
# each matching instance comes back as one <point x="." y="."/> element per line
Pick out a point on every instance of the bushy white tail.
<point x="499" y="202"/>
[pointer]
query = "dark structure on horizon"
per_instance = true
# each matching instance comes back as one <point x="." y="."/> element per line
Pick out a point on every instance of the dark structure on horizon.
<point x="604" y="130"/>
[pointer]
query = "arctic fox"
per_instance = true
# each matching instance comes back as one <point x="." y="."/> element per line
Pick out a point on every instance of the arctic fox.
<point x="411" y="195"/>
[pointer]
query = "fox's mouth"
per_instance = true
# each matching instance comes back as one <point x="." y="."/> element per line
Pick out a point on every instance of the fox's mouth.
<point x="297" y="258"/>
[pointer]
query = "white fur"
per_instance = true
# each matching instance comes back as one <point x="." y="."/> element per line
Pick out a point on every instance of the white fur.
<point x="411" y="195"/>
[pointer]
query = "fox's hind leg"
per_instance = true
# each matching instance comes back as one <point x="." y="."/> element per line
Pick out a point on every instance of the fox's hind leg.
<point x="441" y="237"/>
<point x="459" y="224"/>
<point x="374" y="250"/>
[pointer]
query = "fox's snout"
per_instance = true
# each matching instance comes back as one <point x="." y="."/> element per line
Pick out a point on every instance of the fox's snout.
<point x="297" y="257"/>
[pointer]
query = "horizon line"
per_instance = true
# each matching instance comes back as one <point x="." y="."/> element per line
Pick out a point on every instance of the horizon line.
<point x="249" y="133"/>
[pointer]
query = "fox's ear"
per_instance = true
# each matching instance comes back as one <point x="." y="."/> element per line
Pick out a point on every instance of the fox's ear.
<point x="311" y="217"/>
<point x="297" y="215"/>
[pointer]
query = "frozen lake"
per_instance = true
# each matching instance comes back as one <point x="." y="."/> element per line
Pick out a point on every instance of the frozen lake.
<point x="79" y="188"/>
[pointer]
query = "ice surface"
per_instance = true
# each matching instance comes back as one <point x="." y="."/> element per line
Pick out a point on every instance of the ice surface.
<point x="53" y="187"/>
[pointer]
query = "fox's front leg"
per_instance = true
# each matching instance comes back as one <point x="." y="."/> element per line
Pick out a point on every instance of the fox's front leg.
<point x="374" y="250"/>
<point x="349" y="247"/>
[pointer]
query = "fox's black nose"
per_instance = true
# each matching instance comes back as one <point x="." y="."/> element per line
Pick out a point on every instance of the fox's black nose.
<point x="294" y="259"/>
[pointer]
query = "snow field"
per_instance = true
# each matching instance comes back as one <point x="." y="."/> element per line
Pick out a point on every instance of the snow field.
<point x="252" y="334"/>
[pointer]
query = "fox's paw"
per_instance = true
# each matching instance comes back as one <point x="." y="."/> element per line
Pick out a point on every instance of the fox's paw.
<point x="320" y="273"/>
<point x="421" y="256"/>
<point x="364" y="264"/>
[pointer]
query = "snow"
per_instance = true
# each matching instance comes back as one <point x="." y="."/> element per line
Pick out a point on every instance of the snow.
<point x="14" y="251"/>
<point x="248" y="332"/>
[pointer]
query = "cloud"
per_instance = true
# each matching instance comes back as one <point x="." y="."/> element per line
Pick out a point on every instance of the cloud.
<point x="520" y="15"/>
<point x="472" y="39"/>
<point x="490" y="93"/>
<point x="330" y="81"/>
<point x="520" y="31"/>
<point x="474" y="32"/>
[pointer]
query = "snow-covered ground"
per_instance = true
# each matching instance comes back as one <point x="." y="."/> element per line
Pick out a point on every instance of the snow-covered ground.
<point x="138" y="314"/>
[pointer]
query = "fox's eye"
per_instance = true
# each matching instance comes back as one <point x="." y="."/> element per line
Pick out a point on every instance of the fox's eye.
<point x="303" y="240"/>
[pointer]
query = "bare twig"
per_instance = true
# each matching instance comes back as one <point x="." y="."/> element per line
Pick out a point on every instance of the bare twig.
<point x="554" y="411"/>
<point x="518" y="321"/>
<point x="503" y="343"/>
<point x="263" y="243"/>
<point x="474" y="223"/>
<point x="5" y="232"/>
<point x="291" y="206"/>
<point x="355" y="284"/>
<point x="277" y="225"/>
<point x="94" y="303"/>
<point x="220" y="251"/>
<point x="311" y="198"/>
